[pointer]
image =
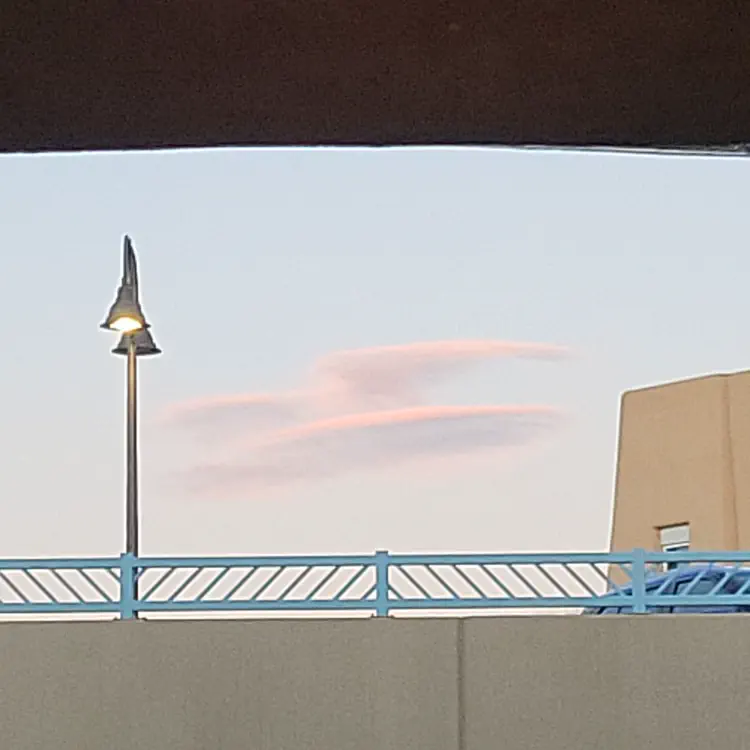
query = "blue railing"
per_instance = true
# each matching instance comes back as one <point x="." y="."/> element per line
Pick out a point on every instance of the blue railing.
<point x="380" y="584"/>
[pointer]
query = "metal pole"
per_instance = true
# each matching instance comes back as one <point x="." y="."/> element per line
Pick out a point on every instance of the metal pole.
<point x="132" y="545"/>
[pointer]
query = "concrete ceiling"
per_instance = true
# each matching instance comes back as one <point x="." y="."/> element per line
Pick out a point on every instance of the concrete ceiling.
<point x="106" y="74"/>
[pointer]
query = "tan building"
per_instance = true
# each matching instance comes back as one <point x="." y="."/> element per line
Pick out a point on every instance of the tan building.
<point x="683" y="468"/>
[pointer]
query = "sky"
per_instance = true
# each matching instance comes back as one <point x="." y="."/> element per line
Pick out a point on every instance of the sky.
<point x="402" y="349"/>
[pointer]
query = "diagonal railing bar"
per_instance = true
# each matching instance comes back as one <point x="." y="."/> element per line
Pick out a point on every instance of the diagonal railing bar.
<point x="583" y="584"/>
<point x="584" y="579"/>
<point x="556" y="585"/>
<point x="165" y="576"/>
<point x="358" y="574"/>
<point x="488" y="572"/>
<point x="216" y="579"/>
<point x="58" y="577"/>
<point x="404" y="571"/>
<point x="700" y="577"/>
<point x="243" y="580"/>
<point x="30" y="574"/>
<point x="512" y="569"/>
<point x="12" y="586"/>
<point x="321" y="584"/>
<point x="470" y="581"/>
<point x="662" y="588"/>
<point x="94" y="585"/>
<point x="454" y="594"/>
<point x="267" y="585"/>
<point x="725" y="576"/>
<point x="613" y="585"/>
<point x="369" y="594"/>
<point x="301" y="577"/>
<point x="188" y="580"/>
<point x="397" y="595"/>
<point x="604" y="576"/>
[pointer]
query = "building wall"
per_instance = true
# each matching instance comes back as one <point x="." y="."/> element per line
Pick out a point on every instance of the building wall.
<point x="739" y="398"/>
<point x="682" y="458"/>
<point x="515" y="683"/>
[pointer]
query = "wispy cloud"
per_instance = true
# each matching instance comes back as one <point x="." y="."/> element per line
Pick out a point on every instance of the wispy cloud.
<point x="359" y="409"/>
<point x="365" y="442"/>
<point x="395" y="375"/>
<point x="353" y="380"/>
<point x="245" y="411"/>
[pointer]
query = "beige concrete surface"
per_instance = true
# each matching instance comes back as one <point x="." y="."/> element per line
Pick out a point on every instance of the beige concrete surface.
<point x="513" y="683"/>
<point x="606" y="683"/>
<point x="203" y="685"/>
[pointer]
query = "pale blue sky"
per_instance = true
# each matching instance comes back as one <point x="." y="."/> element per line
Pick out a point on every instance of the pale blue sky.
<point x="253" y="263"/>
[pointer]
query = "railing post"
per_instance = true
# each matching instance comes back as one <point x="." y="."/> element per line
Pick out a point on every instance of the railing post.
<point x="127" y="586"/>
<point x="381" y="583"/>
<point x="638" y="572"/>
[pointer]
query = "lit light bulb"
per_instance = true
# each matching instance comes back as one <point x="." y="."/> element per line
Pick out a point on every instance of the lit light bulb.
<point x="126" y="324"/>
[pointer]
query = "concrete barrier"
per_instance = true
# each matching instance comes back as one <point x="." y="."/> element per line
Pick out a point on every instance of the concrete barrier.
<point x="477" y="684"/>
<point x="606" y="683"/>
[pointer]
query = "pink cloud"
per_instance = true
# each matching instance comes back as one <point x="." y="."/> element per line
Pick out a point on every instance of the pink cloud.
<point x="393" y="375"/>
<point x="361" y="409"/>
<point x="331" y="448"/>
<point x="354" y="380"/>
<point x="419" y="356"/>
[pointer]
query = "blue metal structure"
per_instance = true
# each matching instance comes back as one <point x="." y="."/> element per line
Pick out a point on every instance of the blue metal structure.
<point x="380" y="584"/>
<point x="665" y="592"/>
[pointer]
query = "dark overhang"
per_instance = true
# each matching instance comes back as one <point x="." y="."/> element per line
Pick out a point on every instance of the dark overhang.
<point x="100" y="74"/>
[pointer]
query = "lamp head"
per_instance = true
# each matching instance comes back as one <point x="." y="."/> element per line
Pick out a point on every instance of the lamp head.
<point x="144" y="343"/>
<point x="126" y="314"/>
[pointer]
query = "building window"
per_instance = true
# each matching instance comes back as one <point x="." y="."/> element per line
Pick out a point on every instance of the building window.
<point x="674" y="539"/>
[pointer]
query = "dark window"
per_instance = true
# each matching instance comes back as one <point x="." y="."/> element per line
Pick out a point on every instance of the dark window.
<point x="734" y="584"/>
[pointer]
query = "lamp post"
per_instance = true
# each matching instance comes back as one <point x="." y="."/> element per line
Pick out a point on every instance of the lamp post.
<point x="126" y="316"/>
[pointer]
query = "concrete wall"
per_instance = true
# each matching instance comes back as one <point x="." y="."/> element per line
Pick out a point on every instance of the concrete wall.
<point x="681" y="459"/>
<point x="656" y="682"/>
<point x="517" y="682"/>
<point x="271" y="685"/>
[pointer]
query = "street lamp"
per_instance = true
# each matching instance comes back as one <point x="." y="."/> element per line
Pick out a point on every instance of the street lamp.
<point x="126" y="316"/>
